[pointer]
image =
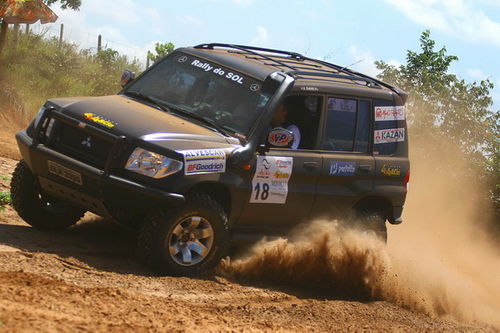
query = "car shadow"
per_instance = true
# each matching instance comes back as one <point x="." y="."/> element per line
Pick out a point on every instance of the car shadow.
<point x="96" y="242"/>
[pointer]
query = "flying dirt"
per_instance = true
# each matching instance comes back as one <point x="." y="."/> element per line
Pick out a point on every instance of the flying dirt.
<point x="441" y="261"/>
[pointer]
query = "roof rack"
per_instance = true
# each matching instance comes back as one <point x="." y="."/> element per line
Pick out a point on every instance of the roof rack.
<point x="340" y="72"/>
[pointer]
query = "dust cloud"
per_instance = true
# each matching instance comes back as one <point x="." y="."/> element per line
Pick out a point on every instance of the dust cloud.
<point x="441" y="261"/>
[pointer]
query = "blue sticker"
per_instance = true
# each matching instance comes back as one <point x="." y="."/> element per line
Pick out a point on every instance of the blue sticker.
<point x="342" y="168"/>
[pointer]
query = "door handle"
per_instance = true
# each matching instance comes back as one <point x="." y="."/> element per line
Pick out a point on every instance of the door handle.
<point x="310" y="165"/>
<point x="365" y="167"/>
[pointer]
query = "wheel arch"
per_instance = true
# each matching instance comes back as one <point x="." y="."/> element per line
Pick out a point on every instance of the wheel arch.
<point x="218" y="192"/>
<point x="375" y="204"/>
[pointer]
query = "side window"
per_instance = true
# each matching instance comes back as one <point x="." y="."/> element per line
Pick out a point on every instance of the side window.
<point x="347" y="125"/>
<point x="300" y="114"/>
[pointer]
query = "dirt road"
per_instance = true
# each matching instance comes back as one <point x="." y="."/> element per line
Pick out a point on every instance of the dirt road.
<point x="87" y="280"/>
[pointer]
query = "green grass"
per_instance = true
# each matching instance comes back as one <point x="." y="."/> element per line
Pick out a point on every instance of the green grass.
<point x="4" y="199"/>
<point x="2" y="177"/>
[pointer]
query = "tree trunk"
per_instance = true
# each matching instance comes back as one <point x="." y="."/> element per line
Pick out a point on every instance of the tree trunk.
<point x="3" y="35"/>
<point x="15" y="35"/>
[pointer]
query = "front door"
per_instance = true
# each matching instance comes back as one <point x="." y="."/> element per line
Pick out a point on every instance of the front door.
<point x="283" y="189"/>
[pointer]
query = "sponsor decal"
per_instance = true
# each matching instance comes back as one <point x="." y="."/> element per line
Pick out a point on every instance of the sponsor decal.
<point x="280" y="137"/>
<point x="389" y="135"/>
<point x="182" y="59"/>
<point x="390" y="170"/>
<point x="204" y="161"/>
<point x="341" y="168"/>
<point x="270" y="182"/>
<point x="100" y="120"/>
<point x="384" y="113"/>
<point x="236" y="78"/>
<point x="342" y="105"/>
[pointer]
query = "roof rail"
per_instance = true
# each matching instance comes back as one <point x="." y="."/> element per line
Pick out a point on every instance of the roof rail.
<point x="210" y="46"/>
<point x="349" y="74"/>
<point x="369" y="81"/>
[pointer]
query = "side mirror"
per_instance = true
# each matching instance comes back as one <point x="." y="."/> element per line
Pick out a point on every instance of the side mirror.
<point x="280" y="137"/>
<point x="272" y="82"/>
<point x="127" y="77"/>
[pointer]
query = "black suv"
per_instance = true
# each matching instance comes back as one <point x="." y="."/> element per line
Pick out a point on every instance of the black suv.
<point x="188" y="153"/>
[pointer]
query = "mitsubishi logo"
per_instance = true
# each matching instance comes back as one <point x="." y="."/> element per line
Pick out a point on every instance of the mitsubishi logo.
<point x="87" y="142"/>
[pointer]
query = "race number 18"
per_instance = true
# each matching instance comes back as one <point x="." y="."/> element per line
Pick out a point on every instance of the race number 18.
<point x="261" y="196"/>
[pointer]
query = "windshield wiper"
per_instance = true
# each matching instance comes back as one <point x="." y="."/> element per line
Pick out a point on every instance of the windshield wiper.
<point x="207" y="121"/>
<point x="147" y="98"/>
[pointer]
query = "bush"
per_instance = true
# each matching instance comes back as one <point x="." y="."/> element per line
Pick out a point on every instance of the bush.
<point x="4" y="199"/>
<point x="39" y="68"/>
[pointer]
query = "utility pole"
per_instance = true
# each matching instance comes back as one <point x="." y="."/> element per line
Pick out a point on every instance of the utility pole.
<point x="99" y="43"/>
<point x="61" y="33"/>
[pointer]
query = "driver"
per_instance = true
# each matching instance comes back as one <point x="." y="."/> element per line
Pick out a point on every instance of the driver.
<point x="280" y="120"/>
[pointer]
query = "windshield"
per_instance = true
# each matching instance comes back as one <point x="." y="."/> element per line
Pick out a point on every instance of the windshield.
<point x="205" y="91"/>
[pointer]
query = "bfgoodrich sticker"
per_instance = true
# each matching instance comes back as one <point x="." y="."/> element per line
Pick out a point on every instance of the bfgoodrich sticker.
<point x="389" y="135"/>
<point x="201" y="161"/>
<point x="339" y="168"/>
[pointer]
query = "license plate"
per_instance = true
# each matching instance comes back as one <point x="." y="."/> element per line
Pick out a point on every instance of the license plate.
<point x="66" y="173"/>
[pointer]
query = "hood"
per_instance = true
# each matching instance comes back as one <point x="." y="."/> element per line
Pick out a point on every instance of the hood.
<point x="121" y="115"/>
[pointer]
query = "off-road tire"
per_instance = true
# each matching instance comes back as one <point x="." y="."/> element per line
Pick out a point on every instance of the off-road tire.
<point x="39" y="211"/>
<point x="157" y="229"/>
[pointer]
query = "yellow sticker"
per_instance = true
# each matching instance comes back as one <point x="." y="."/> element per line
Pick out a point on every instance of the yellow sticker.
<point x="391" y="170"/>
<point x="98" y="119"/>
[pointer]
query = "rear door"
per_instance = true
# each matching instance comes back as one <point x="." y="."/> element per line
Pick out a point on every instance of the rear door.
<point x="348" y="167"/>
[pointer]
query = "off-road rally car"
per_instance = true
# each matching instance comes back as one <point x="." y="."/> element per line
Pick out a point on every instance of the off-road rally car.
<point x="190" y="155"/>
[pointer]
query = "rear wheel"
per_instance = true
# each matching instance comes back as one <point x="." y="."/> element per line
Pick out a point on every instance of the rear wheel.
<point x="188" y="240"/>
<point x="372" y="222"/>
<point x="36" y="208"/>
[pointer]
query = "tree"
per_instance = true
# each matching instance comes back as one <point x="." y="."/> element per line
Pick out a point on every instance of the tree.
<point x="161" y="50"/>
<point x="71" y="4"/>
<point x="441" y="107"/>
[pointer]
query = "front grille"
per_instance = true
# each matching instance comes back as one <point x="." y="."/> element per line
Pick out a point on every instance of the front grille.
<point x="80" y="144"/>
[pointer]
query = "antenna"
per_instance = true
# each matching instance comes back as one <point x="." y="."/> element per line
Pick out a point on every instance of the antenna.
<point x="354" y="63"/>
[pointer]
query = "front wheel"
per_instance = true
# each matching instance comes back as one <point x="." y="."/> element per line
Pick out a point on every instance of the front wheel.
<point x="187" y="240"/>
<point x="36" y="208"/>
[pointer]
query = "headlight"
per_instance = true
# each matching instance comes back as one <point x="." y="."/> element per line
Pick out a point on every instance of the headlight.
<point x="39" y="116"/>
<point x="152" y="164"/>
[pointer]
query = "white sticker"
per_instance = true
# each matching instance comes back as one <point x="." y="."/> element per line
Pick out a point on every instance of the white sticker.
<point x="201" y="161"/>
<point x="270" y="182"/>
<point x="383" y="113"/>
<point x="389" y="135"/>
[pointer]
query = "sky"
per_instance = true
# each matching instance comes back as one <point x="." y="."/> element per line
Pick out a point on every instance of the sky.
<point x="347" y="33"/>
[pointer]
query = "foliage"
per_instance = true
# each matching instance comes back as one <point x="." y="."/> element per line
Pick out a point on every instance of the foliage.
<point x="40" y="68"/>
<point x="71" y="4"/>
<point x="443" y="106"/>
<point x="161" y="50"/>
<point x="4" y="199"/>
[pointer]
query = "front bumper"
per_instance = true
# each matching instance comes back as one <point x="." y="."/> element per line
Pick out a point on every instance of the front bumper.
<point x="100" y="191"/>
